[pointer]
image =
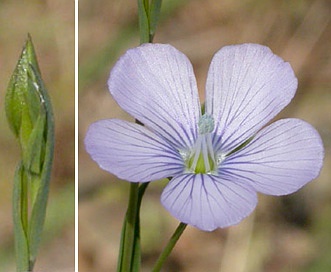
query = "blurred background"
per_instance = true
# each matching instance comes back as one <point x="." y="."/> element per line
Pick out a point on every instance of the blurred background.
<point x="51" y="25"/>
<point x="291" y="233"/>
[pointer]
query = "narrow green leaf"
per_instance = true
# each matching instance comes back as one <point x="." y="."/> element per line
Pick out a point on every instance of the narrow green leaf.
<point x="144" y="28"/>
<point x="155" y="10"/>
<point x="41" y="193"/>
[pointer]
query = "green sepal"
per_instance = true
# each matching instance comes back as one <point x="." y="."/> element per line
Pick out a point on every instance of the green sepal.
<point x="33" y="155"/>
<point x="20" y="97"/>
<point x="15" y="103"/>
<point x="46" y="136"/>
<point x="241" y="146"/>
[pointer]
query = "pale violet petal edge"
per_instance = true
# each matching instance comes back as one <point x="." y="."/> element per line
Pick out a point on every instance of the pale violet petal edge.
<point x="208" y="202"/>
<point x="281" y="159"/>
<point x="155" y="83"/>
<point x="131" y="152"/>
<point x="247" y="85"/>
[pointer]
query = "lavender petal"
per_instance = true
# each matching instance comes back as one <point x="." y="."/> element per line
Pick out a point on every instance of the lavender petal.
<point x="131" y="152"/>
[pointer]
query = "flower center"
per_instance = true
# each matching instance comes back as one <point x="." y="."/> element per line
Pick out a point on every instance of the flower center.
<point x="202" y="159"/>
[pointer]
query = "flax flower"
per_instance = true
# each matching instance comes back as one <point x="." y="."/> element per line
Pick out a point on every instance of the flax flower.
<point x="219" y="155"/>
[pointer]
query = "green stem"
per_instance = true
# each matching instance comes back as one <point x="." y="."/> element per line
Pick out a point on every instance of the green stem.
<point x="129" y="232"/>
<point x="136" y="259"/>
<point x="169" y="247"/>
<point x="142" y="189"/>
<point x="129" y="258"/>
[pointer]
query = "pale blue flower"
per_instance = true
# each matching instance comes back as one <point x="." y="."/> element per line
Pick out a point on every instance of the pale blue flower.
<point x="219" y="158"/>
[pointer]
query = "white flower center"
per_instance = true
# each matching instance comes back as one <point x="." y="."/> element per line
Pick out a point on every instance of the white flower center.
<point x="202" y="158"/>
<point x="206" y="124"/>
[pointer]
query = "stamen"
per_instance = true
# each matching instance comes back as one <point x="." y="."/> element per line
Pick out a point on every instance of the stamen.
<point x="197" y="153"/>
<point x="220" y="158"/>
<point x="205" y="155"/>
<point x="210" y="146"/>
<point x="202" y="158"/>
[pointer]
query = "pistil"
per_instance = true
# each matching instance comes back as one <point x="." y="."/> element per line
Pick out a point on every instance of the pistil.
<point x="202" y="157"/>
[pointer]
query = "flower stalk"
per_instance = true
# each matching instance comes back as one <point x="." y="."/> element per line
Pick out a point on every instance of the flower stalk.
<point x="30" y="117"/>
<point x="130" y="257"/>
<point x="169" y="247"/>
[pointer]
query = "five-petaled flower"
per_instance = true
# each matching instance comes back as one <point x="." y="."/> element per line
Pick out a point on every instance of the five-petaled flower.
<point x="219" y="155"/>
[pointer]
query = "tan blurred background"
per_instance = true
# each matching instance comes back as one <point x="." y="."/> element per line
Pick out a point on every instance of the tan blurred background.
<point x="51" y="25"/>
<point x="284" y="234"/>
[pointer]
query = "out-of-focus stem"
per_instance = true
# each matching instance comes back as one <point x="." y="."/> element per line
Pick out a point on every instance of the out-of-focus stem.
<point x="169" y="247"/>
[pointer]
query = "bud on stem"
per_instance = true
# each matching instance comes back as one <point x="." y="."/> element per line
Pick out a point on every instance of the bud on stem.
<point x="30" y="117"/>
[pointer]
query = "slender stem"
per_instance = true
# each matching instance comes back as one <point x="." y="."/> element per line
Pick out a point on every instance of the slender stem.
<point x="129" y="258"/>
<point x="129" y="234"/>
<point x="171" y="244"/>
<point x="136" y="259"/>
<point x="142" y="189"/>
